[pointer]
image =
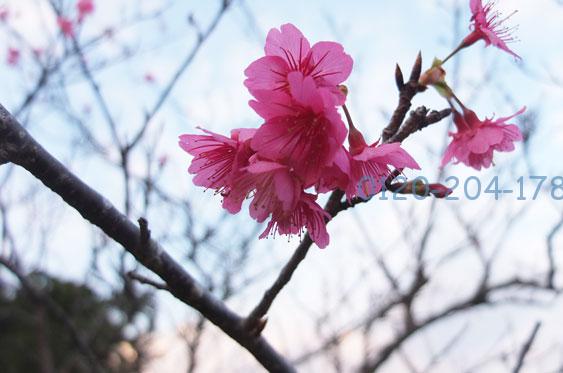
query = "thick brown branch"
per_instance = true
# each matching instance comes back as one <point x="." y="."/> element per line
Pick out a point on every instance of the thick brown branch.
<point x="19" y="147"/>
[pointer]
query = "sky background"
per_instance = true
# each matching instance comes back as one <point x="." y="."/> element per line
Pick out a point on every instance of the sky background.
<point x="377" y="34"/>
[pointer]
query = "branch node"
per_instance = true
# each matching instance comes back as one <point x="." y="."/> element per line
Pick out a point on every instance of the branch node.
<point x="145" y="233"/>
<point x="255" y="326"/>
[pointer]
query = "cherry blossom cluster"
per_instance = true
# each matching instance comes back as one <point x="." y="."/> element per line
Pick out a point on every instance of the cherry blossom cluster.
<point x="300" y="149"/>
<point x="476" y="140"/>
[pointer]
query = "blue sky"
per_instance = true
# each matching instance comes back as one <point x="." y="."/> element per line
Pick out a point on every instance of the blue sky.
<point x="210" y="94"/>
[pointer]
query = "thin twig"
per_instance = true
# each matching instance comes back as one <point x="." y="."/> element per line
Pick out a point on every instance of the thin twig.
<point x="526" y="348"/>
<point x="202" y="37"/>
<point x="418" y="119"/>
<point x="147" y="281"/>
<point x="253" y="319"/>
<point x="406" y="93"/>
<point x="550" y="252"/>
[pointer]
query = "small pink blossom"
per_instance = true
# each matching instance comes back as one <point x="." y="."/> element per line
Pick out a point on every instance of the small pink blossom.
<point x="38" y="52"/>
<point x="84" y="8"/>
<point x="369" y="164"/>
<point x="13" y="57"/>
<point x="162" y="161"/>
<point x="4" y="14"/>
<point x="287" y="50"/>
<point x="475" y="140"/>
<point x="66" y="26"/>
<point x="302" y="129"/>
<point x="149" y="78"/>
<point x="487" y="25"/>
<point x="307" y="214"/>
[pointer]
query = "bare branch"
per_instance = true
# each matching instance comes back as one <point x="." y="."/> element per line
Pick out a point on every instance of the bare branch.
<point x="406" y="93"/>
<point x="21" y="149"/>
<point x="333" y="206"/>
<point x="550" y="254"/>
<point x="147" y="281"/>
<point x="201" y="39"/>
<point x="526" y="348"/>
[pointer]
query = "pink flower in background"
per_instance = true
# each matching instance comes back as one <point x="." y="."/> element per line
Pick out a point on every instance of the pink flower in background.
<point x="307" y="214"/>
<point x="84" y="8"/>
<point x="369" y="164"/>
<point x="488" y="26"/>
<point x="287" y="50"/>
<point x="13" y="57"/>
<point x="216" y="158"/>
<point x="302" y="129"/>
<point x="38" y="52"/>
<point x="149" y="78"/>
<point x="475" y="140"/>
<point x="66" y="26"/>
<point x="4" y="14"/>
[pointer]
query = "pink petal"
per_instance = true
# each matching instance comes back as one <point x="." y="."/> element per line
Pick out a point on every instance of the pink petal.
<point x="484" y="138"/>
<point x="391" y="154"/>
<point x="330" y="63"/>
<point x="505" y="119"/>
<point x="288" y="189"/>
<point x="266" y="73"/>
<point x="448" y="154"/>
<point x="304" y="90"/>
<point x="242" y="134"/>
<point x="289" y="44"/>
<point x="272" y="104"/>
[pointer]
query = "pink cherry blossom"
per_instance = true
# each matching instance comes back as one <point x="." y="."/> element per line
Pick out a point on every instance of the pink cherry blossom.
<point x="217" y="158"/>
<point x="4" y="14"/>
<point x="301" y="129"/>
<point x="84" y="8"/>
<point x="66" y="26"/>
<point x="287" y="50"/>
<point x="475" y="140"/>
<point x="487" y="25"/>
<point x="307" y="214"/>
<point x="149" y="77"/>
<point x="273" y="185"/>
<point x="335" y="176"/>
<point x="369" y="164"/>
<point x="13" y="57"/>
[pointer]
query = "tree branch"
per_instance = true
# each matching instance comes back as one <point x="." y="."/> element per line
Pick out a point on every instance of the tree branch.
<point x="406" y="93"/>
<point x="17" y="145"/>
<point x="526" y="348"/>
